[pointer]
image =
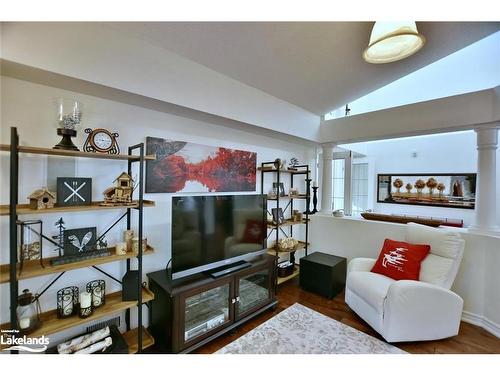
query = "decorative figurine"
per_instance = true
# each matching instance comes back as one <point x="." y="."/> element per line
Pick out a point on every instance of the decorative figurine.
<point x="69" y="115"/>
<point x="121" y="194"/>
<point x="60" y="237"/>
<point x="293" y="164"/>
<point x="41" y="199"/>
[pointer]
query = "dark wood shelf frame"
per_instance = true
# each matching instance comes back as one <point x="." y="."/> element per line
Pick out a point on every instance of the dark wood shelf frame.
<point x="136" y="154"/>
<point x="300" y="170"/>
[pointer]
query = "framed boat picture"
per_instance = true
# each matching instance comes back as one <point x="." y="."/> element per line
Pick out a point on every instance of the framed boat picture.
<point x="454" y="190"/>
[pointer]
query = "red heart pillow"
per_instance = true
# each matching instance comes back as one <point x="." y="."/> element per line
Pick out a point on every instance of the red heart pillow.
<point x="400" y="260"/>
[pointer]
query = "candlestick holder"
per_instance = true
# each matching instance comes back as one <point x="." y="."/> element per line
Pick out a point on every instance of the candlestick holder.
<point x="315" y="199"/>
<point x="308" y="196"/>
<point x="97" y="289"/>
<point x="67" y="301"/>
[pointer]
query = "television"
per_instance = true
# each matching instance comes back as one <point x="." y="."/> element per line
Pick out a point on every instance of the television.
<point x="214" y="231"/>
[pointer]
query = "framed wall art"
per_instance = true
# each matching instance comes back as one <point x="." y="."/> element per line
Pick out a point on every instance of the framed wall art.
<point x="454" y="190"/>
<point x="190" y="167"/>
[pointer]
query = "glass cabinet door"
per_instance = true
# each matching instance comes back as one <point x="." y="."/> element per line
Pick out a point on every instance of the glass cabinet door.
<point x="253" y="290"/>
<point x="206" y="311"/>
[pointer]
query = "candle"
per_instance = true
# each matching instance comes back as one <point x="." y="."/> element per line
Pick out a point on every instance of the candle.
<point x="24" y="323"/>
<point x="85" y="300"/>
<point x="121" y="248"/>
<point x="315" y="184"/>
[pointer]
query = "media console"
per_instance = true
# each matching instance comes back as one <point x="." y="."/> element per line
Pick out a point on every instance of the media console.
<point x="190" y="312"/>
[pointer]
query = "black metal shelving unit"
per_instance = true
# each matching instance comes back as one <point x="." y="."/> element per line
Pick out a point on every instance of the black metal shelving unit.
<point x="132" y="159"/>
<point x="276" y="229"/>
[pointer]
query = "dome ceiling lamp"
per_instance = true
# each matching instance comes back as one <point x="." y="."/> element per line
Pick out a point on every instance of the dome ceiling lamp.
<point x="393" y="41"/>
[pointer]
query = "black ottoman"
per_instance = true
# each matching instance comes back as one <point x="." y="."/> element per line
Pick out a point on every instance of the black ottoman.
<point x="322" y="273"/>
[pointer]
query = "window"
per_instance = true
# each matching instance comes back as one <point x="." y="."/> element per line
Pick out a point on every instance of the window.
<point x="338" y="183"/>
<point x="359" y="188"/>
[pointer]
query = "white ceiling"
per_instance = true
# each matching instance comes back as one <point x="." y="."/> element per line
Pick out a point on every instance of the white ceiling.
<point x="316" y="66"/>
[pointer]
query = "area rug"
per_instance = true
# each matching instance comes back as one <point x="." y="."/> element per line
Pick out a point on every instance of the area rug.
<point x="300" y="330"/>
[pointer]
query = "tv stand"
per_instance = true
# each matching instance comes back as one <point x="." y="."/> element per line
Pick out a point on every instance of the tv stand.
<point x="192" y="311"/>
<point x="226" y="270"/>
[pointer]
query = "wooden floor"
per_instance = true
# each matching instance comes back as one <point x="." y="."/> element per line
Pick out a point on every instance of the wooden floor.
<point x="471" y="339"/>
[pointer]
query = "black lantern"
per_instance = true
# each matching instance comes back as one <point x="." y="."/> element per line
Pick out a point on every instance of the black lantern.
<point x="67" y="301"/>
<point x="30" y="241"/>
<point x="97" y="289"/>
<point x="28" y="312"/>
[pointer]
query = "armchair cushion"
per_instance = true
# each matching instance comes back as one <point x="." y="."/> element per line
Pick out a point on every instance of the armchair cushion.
<point x="371" y="287"/>
<point x="447" y="247"/>
<point x="400" y="260"/>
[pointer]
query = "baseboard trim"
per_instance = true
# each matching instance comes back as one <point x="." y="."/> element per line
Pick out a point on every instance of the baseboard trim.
<point x="481" y="321"/>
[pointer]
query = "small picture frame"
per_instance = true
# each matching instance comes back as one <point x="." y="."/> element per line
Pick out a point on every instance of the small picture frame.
<point x="278" y="217"/>
<point x="279" y="188"/>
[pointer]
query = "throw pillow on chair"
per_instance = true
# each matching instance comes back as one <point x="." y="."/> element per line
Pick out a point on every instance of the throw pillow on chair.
<point x="400" y="260"/>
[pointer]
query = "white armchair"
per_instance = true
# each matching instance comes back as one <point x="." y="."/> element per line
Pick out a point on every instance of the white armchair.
<point x="408" y="310"/>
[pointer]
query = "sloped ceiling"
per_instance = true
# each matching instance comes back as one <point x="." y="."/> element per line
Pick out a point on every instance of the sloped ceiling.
<point x="313" y="65"/>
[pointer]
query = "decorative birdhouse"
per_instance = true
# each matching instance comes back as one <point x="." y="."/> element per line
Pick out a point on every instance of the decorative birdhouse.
<point x="41" y="199"/>
<point x="121" y="193"/>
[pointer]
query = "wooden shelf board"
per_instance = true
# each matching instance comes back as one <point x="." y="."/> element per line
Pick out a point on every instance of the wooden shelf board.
<point x="295" y="273"/>
<point x="52" y="324"/>
<point x="33" y="269"/>
<point x="289" y="197"/>
<point x="25" y="209"/>
<point x="265" y="170"/>
<point x="287" y="223"/>
<point x="300" y="246"/>
<point x="75" y="154"/>
<point x="130" y="338"/>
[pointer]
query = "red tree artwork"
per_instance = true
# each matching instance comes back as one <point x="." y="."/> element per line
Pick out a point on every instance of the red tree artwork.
<point x="188" y="167"/>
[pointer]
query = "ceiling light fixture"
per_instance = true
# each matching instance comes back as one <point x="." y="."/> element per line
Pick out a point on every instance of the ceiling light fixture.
<point x="393" y="41"/>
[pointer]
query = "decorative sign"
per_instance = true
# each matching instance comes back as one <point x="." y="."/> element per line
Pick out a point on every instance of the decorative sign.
<point x="74" y="191"/>
<point x="439" y="190"/>
<point x="78" y="241"/>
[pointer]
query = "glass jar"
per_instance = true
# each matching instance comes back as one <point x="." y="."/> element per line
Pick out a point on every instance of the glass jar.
<point x="69" y="113"/>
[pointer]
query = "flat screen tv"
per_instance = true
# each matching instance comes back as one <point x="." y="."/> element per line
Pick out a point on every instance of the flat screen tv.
<point x="216" y="230"/>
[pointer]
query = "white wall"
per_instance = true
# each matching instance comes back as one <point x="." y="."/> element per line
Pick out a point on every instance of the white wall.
<point x="97" y="53"/>
<point x="440" y="153"/>
<point x="477" y="280"/>
<point x="29" y="107"/>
